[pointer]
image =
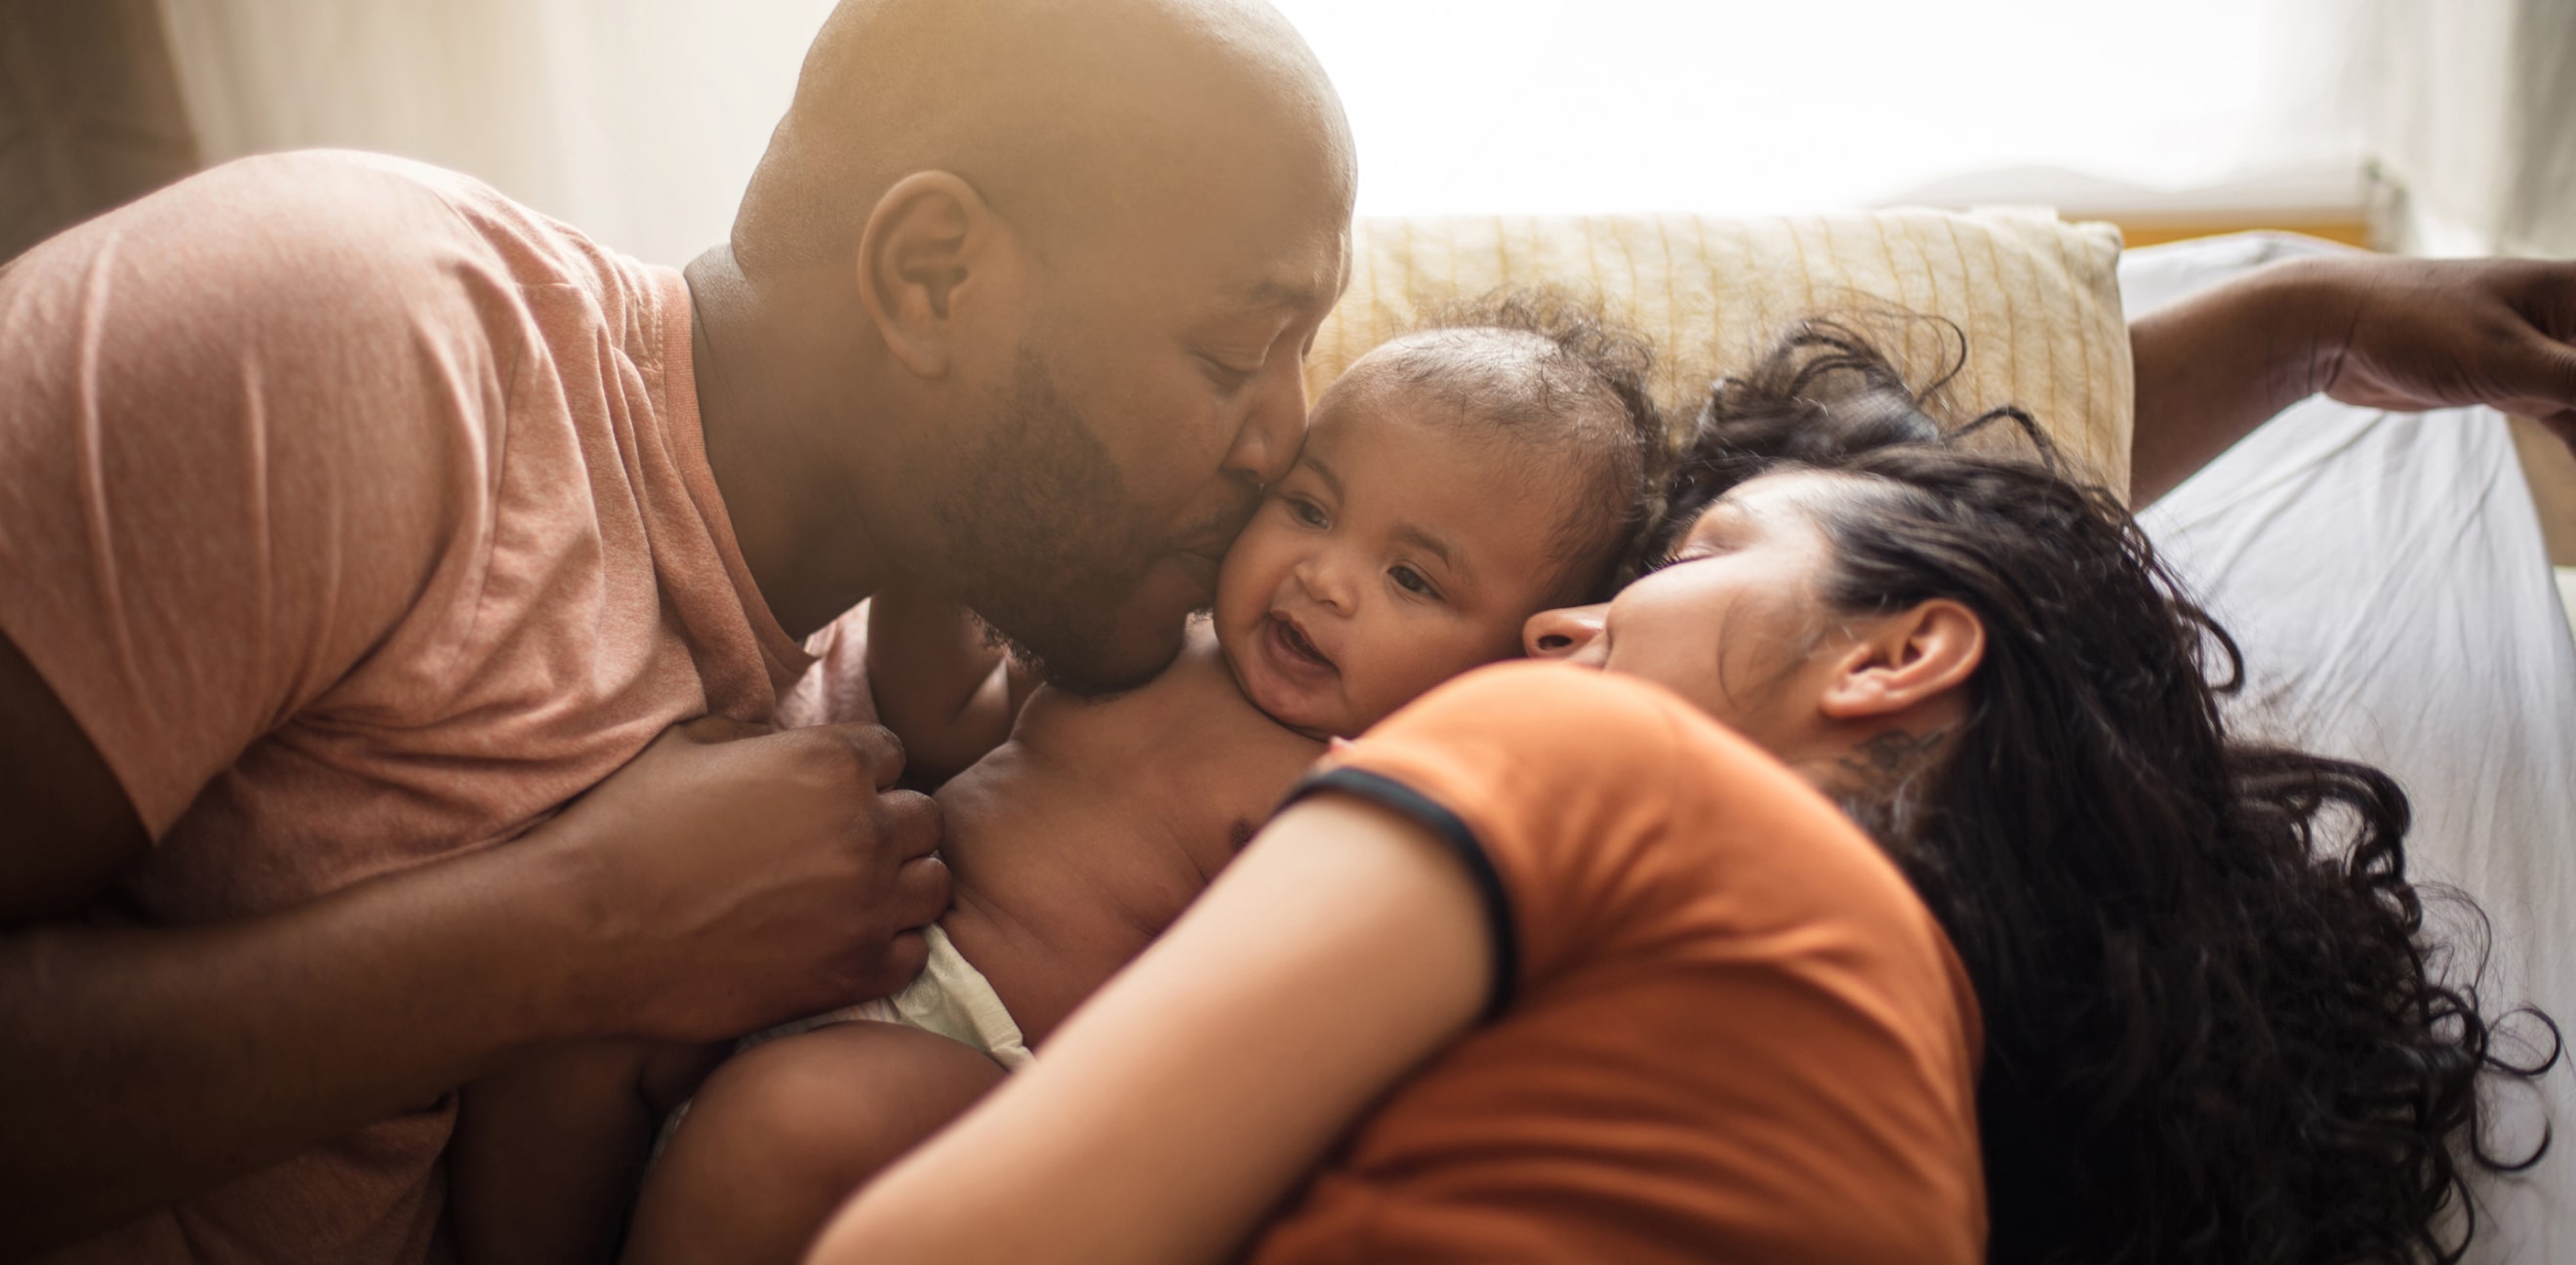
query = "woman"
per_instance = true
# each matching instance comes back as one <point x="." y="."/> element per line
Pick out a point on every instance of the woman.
<point x="2188" y="985"/>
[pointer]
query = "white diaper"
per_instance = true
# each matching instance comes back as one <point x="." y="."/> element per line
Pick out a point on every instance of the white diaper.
<point x="950" y="997"/>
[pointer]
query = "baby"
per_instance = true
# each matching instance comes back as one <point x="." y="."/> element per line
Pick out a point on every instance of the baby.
<point x="1452" y="484"/>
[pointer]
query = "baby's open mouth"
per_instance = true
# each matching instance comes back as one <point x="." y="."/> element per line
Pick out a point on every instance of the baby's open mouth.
<point x="1291" y="644"/>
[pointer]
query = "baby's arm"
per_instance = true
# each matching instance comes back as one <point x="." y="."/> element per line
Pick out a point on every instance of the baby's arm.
<point x="548" y="1150"/>
<point x="781" y="1136"/>
<point x="940" y="682"/>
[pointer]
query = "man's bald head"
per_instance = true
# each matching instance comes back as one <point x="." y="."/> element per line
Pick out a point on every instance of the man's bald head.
<point x="1063" y="114"/>
<point x="1047" y="270"/>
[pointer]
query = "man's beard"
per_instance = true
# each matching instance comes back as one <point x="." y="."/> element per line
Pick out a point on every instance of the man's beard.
<point x="1045" y="543"/>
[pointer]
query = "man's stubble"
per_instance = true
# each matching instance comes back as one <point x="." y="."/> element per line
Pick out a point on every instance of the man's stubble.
<point x="1045" y="542"/>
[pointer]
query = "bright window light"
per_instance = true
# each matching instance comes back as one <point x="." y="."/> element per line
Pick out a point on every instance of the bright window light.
<point x="1537" y="106"/>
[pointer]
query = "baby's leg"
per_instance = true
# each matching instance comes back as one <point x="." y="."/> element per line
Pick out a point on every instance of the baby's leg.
<point x="783" y="1133"/>
<point x="548" y="1150"/>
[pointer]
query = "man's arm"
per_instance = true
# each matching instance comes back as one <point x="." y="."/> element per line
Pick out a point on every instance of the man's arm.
<point x="2372" y="330"/>
<point x="940" y="681"/>
<point x="54" y="787"/>
<point x="145" y="1065"/>
<point x="708" y="888"/>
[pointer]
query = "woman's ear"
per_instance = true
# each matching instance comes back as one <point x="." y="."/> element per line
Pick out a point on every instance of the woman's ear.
<point x="931" y="244"/>
<point x="1908" y="658"/>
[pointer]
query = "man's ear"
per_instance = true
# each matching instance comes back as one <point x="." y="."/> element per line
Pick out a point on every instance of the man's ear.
<point x="1908" y="658"/>
<point x="931" y="243"/>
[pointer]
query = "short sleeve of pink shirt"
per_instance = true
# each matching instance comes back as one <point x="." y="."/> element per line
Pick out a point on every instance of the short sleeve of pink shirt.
<point x="360" y="517"/>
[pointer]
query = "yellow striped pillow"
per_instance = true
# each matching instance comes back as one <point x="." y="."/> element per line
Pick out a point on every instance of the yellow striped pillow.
<point x="2039" y="300"/>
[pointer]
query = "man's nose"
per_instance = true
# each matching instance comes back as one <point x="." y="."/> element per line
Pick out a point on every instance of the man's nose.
<point x="1570" y="633"/>
<point x="1274" y="428"/>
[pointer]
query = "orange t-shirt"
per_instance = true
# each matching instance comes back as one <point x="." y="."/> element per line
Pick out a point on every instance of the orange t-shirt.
<point x="1725" y="1029"/>
<point x="360" y="517"/>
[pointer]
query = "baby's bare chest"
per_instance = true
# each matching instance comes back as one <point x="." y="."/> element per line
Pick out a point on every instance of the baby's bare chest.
<point x="1087" y="834"/>
<point x="1167" y="779"/>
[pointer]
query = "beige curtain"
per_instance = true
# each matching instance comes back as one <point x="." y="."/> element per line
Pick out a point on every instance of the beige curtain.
<point x="638" y="120"/>
<point x="90" y="115"/>
<point x="2474" y="124"/>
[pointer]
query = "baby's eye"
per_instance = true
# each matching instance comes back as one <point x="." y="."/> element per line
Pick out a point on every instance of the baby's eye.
<point x="1411" y="581"/>
<point x="1306" y="511"/>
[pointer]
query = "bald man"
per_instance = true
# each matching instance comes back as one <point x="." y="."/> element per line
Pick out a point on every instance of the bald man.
<point x="355" y="521"/>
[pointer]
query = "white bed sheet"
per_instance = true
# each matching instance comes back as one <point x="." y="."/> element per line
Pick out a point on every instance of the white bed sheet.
<point x="2385" y="576"/>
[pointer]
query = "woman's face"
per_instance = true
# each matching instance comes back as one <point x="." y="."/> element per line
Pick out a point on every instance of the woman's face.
<point x="1733" y="622"/>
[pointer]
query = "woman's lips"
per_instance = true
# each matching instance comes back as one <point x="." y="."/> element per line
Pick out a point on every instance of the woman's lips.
<point x="1288" y="649"/>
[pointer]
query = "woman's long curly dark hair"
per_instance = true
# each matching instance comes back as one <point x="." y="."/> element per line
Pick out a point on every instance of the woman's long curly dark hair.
<point x="2216" y="1029"/>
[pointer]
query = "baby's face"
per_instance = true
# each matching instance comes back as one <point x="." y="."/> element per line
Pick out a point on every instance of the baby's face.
<point x="1397" y="554"/>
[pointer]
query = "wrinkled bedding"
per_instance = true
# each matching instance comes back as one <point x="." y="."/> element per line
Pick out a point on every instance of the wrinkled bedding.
<point x="2385" y="576"/>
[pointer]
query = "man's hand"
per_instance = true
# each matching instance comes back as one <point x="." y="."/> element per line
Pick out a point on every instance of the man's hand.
<point x="735" y="881"/>
<point x="2424" y="334"/>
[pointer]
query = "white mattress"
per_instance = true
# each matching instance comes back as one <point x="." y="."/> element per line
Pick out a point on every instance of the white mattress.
<point x="2385" y="576"/>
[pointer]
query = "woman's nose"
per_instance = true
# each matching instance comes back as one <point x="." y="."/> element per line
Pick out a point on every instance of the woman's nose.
<point x="1571" y="633"/>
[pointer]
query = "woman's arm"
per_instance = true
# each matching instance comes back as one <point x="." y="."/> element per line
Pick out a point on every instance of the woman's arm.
<point x="940" y="681"/>
<point x="1178" y="1105"/>
<point x="2371" y="330"/>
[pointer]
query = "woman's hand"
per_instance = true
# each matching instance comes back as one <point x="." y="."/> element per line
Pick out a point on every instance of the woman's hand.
<point x="2412" y="335"/>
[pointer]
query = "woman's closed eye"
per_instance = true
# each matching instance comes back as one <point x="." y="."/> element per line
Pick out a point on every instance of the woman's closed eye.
<point x="1681" y="552"/>
<point x="1695" y="547"/>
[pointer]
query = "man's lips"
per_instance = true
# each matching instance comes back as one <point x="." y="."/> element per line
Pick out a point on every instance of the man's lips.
<point x="1290" y="649"/>
<point x="1201" y="568"/>
<point x="1201" y="554"/>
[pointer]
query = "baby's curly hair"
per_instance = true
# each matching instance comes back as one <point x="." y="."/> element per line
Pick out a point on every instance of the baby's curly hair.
<point x="2217" y="1027"/>
<point x="1552" y="373"/>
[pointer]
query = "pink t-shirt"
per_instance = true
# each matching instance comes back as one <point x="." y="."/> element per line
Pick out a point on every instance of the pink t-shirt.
<point x="361" y="517"/>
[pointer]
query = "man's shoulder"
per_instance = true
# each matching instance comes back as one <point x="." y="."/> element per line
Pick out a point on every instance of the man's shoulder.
<point x="341" y="225"/>
<point x="272" y="259"/>
<point x="305" y="169"/>
<point x="422" y="216"/>
<point x="322" y="195"/>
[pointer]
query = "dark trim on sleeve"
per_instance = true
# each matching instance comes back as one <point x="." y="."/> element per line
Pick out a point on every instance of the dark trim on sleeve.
<point x="1444" y="825"/>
